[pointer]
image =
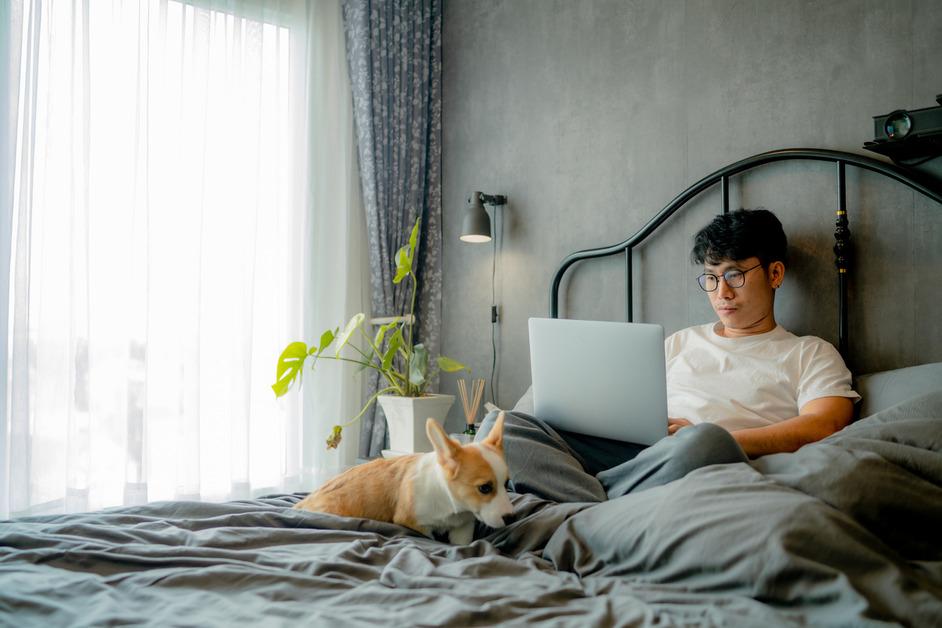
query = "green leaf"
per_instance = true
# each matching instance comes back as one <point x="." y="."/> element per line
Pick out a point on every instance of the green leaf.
<point x="414" y="237"/>
<point x="405" y="256"/>
<point x="450" y="366"/>
<point x="290" y="363"/>
<point x="351" y="327"/>
<point x="394" y="343"/>
<point x="418" y="367"/>
<point x="326" y="338"/>
<point x="378" y="341"/>
<point x="403" y="264"/>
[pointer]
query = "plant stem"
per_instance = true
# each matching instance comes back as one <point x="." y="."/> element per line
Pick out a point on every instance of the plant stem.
<point x="415" y="283"/>
<point x="367" y="405"/>
<point x="366" y="357"/>
<point x="369" y="340"/>
<point x="392" y="383"/>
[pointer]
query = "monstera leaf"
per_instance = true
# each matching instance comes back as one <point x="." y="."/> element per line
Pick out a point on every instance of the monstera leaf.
<point x="289" y="367"/>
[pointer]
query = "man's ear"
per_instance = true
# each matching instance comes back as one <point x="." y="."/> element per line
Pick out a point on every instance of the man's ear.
<point x="446" y="448"/>
<point x="495" y="438"/>
<point x="776" y="274"/>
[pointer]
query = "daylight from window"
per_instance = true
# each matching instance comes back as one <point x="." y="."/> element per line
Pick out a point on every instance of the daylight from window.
<point x="162" y="246"/>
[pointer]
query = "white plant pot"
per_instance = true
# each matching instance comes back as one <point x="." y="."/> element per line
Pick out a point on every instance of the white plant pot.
<point x="406" y="417"/>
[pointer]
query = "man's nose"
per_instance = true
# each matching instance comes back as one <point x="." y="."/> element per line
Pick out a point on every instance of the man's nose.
<point x="723" y="289"/>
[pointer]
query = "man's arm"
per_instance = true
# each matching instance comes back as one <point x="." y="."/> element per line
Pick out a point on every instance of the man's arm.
<point x="817" y="419"/>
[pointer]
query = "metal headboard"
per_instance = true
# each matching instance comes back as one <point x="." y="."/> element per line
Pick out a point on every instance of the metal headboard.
<point x="922" y="184"/>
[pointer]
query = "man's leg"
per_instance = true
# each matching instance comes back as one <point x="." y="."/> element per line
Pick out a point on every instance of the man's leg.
<point x="553" y="465"/>
<point x="598" y="454"/>
<point x="672" y="458"/>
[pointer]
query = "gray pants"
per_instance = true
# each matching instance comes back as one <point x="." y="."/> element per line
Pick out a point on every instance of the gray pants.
<point x="568" y="467"/>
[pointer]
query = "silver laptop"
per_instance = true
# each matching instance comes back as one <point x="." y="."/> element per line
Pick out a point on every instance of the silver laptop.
<point x="600" y="378"/>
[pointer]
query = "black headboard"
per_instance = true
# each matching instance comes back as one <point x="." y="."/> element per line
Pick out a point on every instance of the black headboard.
<point x="922" y="184"/>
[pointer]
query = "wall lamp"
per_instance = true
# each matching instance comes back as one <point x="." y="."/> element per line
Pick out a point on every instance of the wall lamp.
<point x="476" y="226"/>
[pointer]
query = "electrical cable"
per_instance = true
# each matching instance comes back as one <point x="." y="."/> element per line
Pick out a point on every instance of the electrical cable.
<point x="494" y="316"/>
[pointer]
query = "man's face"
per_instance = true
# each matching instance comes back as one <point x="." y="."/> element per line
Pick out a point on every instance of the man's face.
<point x="748" y="309"/>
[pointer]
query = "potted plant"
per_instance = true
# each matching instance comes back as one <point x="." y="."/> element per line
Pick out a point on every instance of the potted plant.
<point x="402" y="365"/>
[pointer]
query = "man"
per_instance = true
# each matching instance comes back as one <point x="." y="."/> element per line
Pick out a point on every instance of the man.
<point x="771" y="389"/>
<point x="740" y="387"/>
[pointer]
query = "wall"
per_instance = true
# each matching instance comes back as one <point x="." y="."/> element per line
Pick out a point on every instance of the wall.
<point x="591" y="115"/>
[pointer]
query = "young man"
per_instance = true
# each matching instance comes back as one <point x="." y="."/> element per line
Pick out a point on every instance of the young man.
<point x="742" y="386"/>
<point x="772" y="390"/>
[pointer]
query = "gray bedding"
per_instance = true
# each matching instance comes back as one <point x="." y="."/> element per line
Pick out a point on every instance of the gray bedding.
<point x="843" y="532"/>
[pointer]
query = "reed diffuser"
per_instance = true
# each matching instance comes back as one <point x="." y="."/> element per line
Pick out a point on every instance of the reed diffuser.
<point x="471" y="403"/>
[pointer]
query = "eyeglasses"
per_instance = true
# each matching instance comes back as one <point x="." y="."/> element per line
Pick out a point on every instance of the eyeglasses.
<point x="733" y="277"/>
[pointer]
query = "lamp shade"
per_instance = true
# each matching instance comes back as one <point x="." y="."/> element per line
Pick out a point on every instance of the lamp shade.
<point x="476" y="226"/>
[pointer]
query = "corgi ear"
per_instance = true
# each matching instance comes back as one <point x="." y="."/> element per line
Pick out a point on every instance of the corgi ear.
<point x="495" y="438"/>
<point x="446" y="448"/>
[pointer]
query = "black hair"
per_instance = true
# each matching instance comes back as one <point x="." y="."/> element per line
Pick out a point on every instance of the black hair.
<point x="739" y="235"/>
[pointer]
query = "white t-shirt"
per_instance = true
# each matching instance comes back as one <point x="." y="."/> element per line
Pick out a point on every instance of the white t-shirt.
<point x="754" y="381"/>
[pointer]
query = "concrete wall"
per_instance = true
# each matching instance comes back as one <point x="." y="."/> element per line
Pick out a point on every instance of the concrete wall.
<point x="591" y="115"/>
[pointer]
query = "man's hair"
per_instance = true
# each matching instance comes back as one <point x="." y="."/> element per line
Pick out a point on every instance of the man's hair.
<point x="739" y="235"/>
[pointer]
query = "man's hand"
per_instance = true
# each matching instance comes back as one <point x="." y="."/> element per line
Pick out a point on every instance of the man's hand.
<point x="674" y="424"/>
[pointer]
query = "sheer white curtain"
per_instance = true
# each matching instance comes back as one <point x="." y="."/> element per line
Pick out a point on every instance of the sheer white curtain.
<point x="183" y="205"/>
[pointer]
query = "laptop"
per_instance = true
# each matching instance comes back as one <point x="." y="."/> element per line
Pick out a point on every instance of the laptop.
<point x="600" y="378"/>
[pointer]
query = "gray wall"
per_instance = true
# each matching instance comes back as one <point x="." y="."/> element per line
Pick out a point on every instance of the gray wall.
<point x="591" y="115"/>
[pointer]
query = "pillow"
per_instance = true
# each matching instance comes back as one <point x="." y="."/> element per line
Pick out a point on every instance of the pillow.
<point x="888" y="388"/>
<point x="525" y="403"/>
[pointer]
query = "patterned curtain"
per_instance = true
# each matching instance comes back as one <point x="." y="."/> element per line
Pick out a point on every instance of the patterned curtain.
<point x="394" y="51"/>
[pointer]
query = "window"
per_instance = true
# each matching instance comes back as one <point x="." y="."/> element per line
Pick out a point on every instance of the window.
<point x="159" y="219"/>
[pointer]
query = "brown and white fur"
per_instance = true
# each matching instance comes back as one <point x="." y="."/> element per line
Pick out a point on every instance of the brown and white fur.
<point x="443" y="490"/>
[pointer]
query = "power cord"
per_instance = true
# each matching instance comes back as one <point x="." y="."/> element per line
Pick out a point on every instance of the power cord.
<point x="494" y="311"/>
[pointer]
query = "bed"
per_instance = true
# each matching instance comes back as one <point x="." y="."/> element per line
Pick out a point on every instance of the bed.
<point x="844" y="532"/>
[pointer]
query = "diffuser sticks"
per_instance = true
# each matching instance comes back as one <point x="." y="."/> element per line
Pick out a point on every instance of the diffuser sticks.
<point x="471" y="403"/>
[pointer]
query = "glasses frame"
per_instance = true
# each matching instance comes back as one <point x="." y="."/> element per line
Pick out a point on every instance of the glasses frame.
<point x="702" y="278"/>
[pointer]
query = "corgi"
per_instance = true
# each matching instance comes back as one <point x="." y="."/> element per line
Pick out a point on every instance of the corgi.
<point x="443" y="491"/>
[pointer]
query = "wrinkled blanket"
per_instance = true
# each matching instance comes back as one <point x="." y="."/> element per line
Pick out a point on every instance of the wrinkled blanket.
<point x="844" y="532"/>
